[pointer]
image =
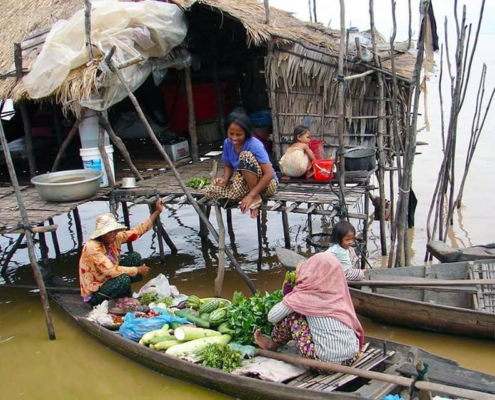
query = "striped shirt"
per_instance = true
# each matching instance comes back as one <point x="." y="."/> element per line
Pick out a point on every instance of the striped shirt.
<point x="344" y="256"/>
<point x="334" y="341"/>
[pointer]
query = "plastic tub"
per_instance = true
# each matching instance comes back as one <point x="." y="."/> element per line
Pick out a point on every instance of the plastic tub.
<point x="261" y="118"/>
<point x="91" y="159"/>
<point x="316" y="146"/>
<point x="360" y="159"/>
<point x="323" y="169"/>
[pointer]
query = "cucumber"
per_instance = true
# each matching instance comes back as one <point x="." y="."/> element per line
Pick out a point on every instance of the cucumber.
<point x="158" y="339"/>
<point x="175" y="325"/>
<point x="193" y="319"/>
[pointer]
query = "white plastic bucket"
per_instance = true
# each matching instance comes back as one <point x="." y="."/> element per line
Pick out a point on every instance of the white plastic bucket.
<point x="89" y="131"/>
<point x="91" y="159"/>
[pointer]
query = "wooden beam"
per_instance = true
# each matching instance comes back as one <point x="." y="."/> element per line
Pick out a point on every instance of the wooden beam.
<point x="192" y="119"/>
<point x="87" y="28"/>
<point x="66" y="142"/>
<point x="29" y="237"/>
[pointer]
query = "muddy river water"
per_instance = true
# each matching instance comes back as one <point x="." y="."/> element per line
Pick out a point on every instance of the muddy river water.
<point x="75" y="366"/>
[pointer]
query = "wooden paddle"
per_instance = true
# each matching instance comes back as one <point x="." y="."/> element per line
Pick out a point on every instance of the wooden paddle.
<point x="290" y="259"/>
<point x="379" y="376"/>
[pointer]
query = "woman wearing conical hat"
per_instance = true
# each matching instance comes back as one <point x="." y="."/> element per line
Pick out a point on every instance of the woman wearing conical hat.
<point x="103" y="274"/>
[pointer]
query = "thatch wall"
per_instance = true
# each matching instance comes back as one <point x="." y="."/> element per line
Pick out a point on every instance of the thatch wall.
<point x="304" y="84"/>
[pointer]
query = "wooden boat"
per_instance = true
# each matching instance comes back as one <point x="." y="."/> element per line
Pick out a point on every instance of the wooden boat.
<point x="444" y="253"/>
<point x="467" y="310"/>
<point x="393" y="358"/>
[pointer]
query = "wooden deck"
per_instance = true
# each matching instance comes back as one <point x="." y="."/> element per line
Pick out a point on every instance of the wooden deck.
<point x="317" y="198"/>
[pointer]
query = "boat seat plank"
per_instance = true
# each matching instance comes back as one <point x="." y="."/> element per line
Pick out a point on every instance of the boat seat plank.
<point x="447" y="378"/>
<point x="329" y="382"/>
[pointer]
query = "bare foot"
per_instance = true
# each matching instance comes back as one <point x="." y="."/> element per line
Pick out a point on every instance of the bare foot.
<point x="255" y="205"/>
<point x="254" y="213"/>
<point x="263" y="342"/>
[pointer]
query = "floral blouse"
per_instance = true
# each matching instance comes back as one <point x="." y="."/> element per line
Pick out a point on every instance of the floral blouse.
<point x="97" y="265"/>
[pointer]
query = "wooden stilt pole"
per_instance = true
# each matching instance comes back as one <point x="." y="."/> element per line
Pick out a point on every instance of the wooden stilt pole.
<point x="119" y="144"/>
<point x="29" y="236"/>
<point x="87" y="28"/>
<point x="260" y="242"/>
<point x="340" y="105"/>
<point x="11" y="253"/>
<point x="77" y="222"/>
<point x="192" y="118"/>
<point x="310" y="222"/>
<point x="66" y="142"/>
<point x="221" y="252"/>
<point x="127" y="222"/>
<point x="365" y="229"/>
<point x="43" y="246"/>
<point x="158" y="231"/>
<point x="105" y="159"/>
<point x="285" y="223"/>
<point x="181" y="182"/>
<point x="380" y="132"/>
<point x="54" y="239"/>
<point x="230" y="227"/>
<point x="267" y="12"/>
<point x="25" y="113"/>
<point x="168" y="240"/>
<point x="203" y="229"/>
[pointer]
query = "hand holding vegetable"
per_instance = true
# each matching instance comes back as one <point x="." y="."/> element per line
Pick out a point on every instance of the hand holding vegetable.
<point x="219" y="182"/>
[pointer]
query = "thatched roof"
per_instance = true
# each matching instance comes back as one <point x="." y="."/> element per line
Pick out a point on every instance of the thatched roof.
<point x="21" y="18"/>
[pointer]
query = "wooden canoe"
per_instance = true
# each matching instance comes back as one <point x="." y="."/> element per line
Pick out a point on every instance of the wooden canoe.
<point x="444" y="253"/>
<point x="467" y="310"/>
<point x="390" y="357"/>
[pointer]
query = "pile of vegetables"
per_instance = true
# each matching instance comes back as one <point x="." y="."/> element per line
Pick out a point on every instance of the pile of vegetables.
<point x="212" y="324"/>
<point x="152" y="299"/>
<point x="198" y="183"/>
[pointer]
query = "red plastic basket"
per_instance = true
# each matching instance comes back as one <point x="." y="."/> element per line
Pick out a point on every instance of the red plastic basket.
<point x="323" y="169"/>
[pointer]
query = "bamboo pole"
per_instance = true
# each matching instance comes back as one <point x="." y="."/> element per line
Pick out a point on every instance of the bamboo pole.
<point x="260" y="241"/>
<point x="381" y="156"/>
<point x="66" y="142"/>
<point x="285" y="224"/>
<point x="25" y="114"/>
<point x="310" y="13"/>
<point x="105" y="123"/>
<point x="104" y="157"/>
<point x="379" y="376"/>
<point x="410" y="152"/>
<point x="340" y="105"/>
<point x="314" y="11"/>
<point x="409" y="31"/>
<point x="221" y="251"/>
<point x="192" y="118"/>
<point x="127" y="222"/>
<point x="397" y="139"/>
<point x="156" y="227"/>
<point x="267" y="12"/>
<point x="29" y="237"/>
<point x="87" y="28"/>
<point x="183" y="186"/>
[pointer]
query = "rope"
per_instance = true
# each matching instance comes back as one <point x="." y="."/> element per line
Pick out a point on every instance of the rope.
<point x="404" y="191"/>
<point x="420" y="376"/>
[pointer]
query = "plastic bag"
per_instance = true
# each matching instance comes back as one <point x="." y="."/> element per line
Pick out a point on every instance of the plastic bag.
<point x="148" y="29"/>
<point x="158" y="285"/>
<point x="134" y="328"/>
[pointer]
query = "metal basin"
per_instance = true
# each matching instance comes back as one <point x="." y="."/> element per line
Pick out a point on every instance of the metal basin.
<point x="66" y="186"/>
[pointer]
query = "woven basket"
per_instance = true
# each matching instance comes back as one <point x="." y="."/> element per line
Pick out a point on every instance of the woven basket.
<point x="208" y="132"/>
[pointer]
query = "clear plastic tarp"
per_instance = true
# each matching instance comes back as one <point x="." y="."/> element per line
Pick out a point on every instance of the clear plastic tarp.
<point x="147" y="29"/>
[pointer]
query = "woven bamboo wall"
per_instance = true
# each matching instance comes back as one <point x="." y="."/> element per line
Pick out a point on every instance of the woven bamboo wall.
<point x="304" y="84"/>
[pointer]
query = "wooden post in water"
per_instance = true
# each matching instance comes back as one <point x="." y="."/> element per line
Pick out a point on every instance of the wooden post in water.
<point x="77" y="221"/>
<point x="285" y="224"/>
<point x="221" y="252"/>
<point x="29" y="236"/>
<point x="181" y="182"/>
<point x="104" y="157"/>
<point x="11" y="253"/>
<point x="340" y="105"/>
<point x="380" y="131"/>
<point x="192" y="118"/>
<point x="260" y="242"/>
<point x="25" y="113"/>
<point x="127" y="222"/>
<point x="43" y="247"/>
<point x="158" y="231"/>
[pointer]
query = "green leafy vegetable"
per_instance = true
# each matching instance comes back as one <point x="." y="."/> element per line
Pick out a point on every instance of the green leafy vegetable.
<point x="148" y="298"/>
<point x="221" y="357"/>
<point x="198" y="183"/>
<point x="246" y="314"/>
<point x="168" y="301"/>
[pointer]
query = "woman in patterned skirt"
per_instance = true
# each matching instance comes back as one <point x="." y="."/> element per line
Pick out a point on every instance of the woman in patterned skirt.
<point x="317" y="314"/>
<point x="103" y="274"/>
<point x="248" y="173"/>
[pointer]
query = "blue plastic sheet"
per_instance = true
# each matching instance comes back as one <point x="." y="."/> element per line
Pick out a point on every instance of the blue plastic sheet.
<point x="392" y="397"/>
<point x="134" y="328"/>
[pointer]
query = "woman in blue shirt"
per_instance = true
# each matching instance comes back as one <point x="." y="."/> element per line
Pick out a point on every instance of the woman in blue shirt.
<point x="248" y="173"/>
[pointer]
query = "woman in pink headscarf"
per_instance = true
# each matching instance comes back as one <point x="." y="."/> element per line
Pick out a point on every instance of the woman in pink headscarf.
<point x="318" y="314"/>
